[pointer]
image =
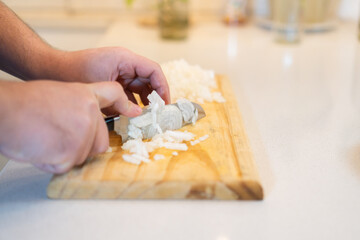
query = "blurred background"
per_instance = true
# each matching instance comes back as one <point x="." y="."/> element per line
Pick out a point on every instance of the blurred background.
<point x="73" y="19"/>
<point x="79" y="24"/>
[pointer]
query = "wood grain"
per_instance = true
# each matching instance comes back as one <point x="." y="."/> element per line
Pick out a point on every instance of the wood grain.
<point x="221" y="167"/>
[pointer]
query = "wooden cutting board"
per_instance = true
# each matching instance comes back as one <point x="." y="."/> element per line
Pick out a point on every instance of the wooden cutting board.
<point x="221" y="167"/>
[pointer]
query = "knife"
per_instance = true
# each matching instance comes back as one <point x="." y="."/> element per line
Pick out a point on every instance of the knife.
<point x="110" y="122"/>
<point x="123" y="122"/>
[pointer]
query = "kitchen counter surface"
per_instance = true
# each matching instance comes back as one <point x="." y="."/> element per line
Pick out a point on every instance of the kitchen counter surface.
<point x="301" y="108"/>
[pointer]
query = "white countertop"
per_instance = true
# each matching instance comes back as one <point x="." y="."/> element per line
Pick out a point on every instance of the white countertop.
<point x="301" y="107"/>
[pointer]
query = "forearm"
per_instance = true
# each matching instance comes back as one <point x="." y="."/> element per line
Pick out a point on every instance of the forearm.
<point x="22" y="52"/>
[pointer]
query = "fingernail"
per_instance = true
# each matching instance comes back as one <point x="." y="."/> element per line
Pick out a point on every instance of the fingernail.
<point x="136" y="108"/>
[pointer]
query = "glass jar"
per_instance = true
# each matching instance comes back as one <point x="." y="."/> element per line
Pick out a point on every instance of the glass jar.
<point x="316" y="15"/>
<point x="319" y="15"/>
<point x="173" y="18"/>
<point x="286" y="21"/>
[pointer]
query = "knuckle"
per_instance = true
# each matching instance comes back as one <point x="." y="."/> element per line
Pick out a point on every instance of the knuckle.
<point x="84" y="124"/>
<point x="116" y="85"/>
<point x="92" y="106"/>
<point x="86" y="118"/>
<point x="101" y="146"/>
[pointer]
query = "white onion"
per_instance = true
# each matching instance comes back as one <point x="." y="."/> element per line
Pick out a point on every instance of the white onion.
<point x="158" y="157"/>
<point x="191" y="82"/>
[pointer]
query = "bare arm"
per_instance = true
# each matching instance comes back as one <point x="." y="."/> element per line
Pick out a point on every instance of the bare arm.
<point x="22" y="52"/>
<point x="39" y="119"/>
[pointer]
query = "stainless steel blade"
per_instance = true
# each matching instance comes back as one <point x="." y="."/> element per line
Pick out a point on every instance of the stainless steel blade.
<point x="201" y="111"/>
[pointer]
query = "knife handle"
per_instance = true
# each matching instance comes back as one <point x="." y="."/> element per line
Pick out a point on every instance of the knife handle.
<point x="110" y="122"/>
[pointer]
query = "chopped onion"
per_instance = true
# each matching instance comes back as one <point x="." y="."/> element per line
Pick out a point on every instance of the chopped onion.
<point x="170" y="139"/>
<point x="155" y="99"/>
<point x="158" y="157"/>
<point x="130" y="159"/>
<point x="185" y="81"/>
<point x="187" y="109"/>
<point x="142" y="120"/>
<point x="203" y="138"/>
<point x="191" y="82"/>
<point x="175" y="146"/>
<point x="136" y="146"/>
<point x="177" y="136"/>
<point x="134" y="132"/>
<point x="194" y="142"/>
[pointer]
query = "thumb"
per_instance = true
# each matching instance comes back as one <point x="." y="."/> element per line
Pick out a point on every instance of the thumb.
<point x="111" y="94"/>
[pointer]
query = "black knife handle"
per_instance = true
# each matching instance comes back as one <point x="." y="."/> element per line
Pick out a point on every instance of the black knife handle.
<point x="110" y="122"/>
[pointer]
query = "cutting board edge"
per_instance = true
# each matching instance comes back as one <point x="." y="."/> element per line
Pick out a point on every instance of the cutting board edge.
<point x="242" y="189"/>
<point x="224" y="84"/>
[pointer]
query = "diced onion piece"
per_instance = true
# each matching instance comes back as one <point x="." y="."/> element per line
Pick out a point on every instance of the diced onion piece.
<point x="218" y="97"/>
<point x="158" y="128"/>
<point x="154" y="110"/>
<point x="203" y="138"/>
<point x="170" y="118"/>
<point x="154" y="99"/>
<point x="194" y="142"/>
<point x="175" y="146"/>
<point x="200" y="139"/>
<point x="142" y="120"/>
<point x="187" y="109"/>
<point x="136" y="146"/>
<point x="134" y="132"/>
<point x="130" y="159"/>
<point x="191" y="82"/>
<point x="158" y="157"/>
<point x="141" y="158"/>
<point x="178" y="136"/>
<point x="170" y="139"/>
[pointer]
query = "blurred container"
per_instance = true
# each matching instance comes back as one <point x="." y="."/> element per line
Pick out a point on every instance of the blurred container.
<point x="317" y="15"/>
<point x="173" y="18"/>
<point x="286" y="20"/>
<point x="320" y="15"/>
<point x="236" y="12"/>
<point x="148" y="14"/>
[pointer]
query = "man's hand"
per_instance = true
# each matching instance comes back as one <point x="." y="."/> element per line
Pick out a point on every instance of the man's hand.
<point x="30" y="58"/>
<point x="57" y="125"/>
<point x="136" y="74"/>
